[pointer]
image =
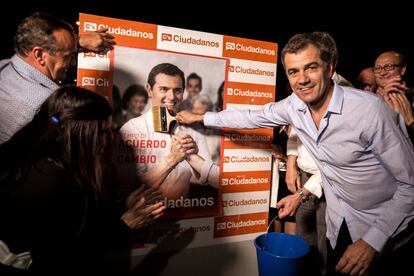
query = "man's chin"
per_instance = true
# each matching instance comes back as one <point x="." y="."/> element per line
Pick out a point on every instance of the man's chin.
<point x="307" y="99"/>
<point x="172" y="111"/>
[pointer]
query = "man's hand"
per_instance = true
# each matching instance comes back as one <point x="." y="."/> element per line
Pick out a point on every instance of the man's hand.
<point x="356" y="259"/>
<point x="400" y="104"/>
<point x="288" y="205"/>
<point x="181" y="147"/>
<point x="188" y="144"/>
<point x="177" y="153"/>
<point x="394" y="84"/>
<point x="187" y="117"/>
<point x="97" y="41"/>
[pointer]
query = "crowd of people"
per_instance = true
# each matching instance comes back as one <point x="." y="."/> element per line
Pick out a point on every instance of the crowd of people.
<point x="346" y="160"/>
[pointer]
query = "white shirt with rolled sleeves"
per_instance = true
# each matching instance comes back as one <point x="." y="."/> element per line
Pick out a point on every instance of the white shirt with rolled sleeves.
<point x="366" y="163"/>
<point x="305" y="163"/>
<point x="151" y="147"/>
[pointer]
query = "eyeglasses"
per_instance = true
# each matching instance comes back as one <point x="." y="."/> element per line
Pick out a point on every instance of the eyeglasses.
<point x="386" y="67"/>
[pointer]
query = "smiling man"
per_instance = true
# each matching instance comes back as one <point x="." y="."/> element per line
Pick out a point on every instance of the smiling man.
<point x="170" y="161"/>
<point x="389" y="71"/>
<point x="366" y="163"/>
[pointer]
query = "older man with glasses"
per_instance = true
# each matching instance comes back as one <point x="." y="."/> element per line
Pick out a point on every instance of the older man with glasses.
<point x="389" y="70"/>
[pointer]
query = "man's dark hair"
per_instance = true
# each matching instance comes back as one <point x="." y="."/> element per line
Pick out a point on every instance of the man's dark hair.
<point x="167" y="69"/>
<point x="131" y="91"/>
<point x="196" y="77"/>
<point x="321" y="40"/>
<point x="37" y="30"/>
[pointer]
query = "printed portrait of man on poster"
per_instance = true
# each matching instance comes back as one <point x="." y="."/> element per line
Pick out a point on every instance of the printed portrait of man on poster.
<point x="188" y="181"/>
<point x="214" y="183"/>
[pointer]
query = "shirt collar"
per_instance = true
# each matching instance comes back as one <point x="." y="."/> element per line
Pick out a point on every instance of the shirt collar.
<point x="298" y="104"/>
<point x="28" y="70"/>
<point x="335" y="105"/>
<point x="337" y="100"/>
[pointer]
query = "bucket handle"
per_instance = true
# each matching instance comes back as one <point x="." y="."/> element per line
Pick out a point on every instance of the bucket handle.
<point x="267" y="231"/>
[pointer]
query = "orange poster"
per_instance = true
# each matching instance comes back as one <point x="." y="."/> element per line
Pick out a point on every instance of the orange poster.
<point x="222" y="189"/>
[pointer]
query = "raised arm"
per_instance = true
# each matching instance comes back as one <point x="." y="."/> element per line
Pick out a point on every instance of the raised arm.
<point x="97" y="41"/>
<point x="270" y="115"/>
<point x="187" y="117"/>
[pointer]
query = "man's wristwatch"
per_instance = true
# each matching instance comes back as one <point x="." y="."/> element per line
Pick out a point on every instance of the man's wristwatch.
<point x="303" y="197"/>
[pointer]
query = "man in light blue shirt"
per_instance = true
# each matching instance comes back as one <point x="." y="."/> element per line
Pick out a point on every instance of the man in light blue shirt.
<point x="366" y="161"/>
<point x="45" y="49"/>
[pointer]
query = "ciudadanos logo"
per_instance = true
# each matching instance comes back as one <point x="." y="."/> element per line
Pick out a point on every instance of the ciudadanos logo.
<point x="130" y="32"/>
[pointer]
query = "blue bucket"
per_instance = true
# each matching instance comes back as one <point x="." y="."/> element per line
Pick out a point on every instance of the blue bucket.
<point x="280" y="254"/>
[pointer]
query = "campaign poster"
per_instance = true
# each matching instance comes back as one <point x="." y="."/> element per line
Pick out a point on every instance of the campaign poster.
<point x="224" y="197"/>
<point x="185" y="195"/>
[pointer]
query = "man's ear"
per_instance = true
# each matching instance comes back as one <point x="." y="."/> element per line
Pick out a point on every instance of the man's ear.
<point x="149" y="90"/>
<point x="38" y="55"/>
<point x="331" y="70"/>
<point x="403" y="69"/>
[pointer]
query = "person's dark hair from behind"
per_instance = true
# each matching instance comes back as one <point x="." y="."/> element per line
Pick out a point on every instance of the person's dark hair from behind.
<point x="71" y="129"/>
<point x="167" y="69"/>
<point x="37" y="30"/>
<point x="131" y="91"/>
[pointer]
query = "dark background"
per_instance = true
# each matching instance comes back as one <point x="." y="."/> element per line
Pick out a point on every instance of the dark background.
<point x="361" y="33"/>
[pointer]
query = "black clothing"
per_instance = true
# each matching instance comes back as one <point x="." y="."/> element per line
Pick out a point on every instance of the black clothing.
<point x="49" y="214"/>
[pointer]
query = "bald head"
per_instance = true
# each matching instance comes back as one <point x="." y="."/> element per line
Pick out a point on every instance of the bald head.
<point x="391" y="56"/>
<point x="366" y="80"/>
